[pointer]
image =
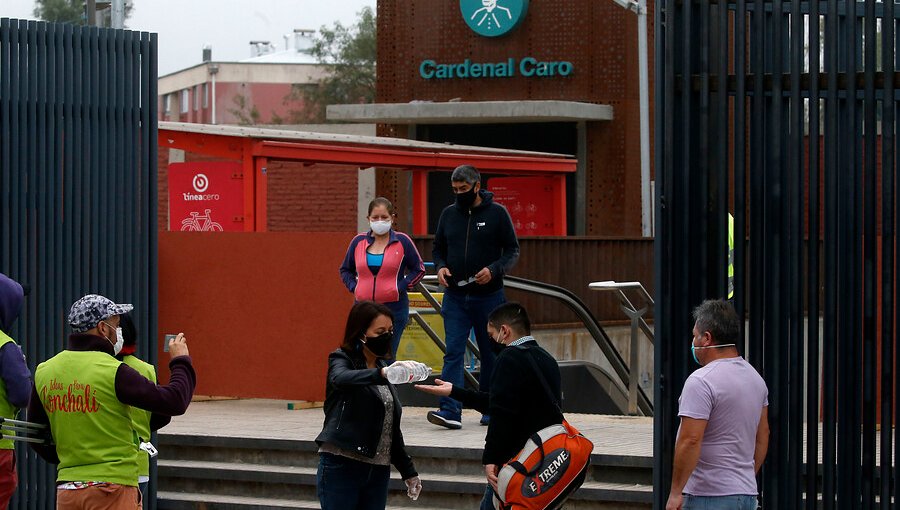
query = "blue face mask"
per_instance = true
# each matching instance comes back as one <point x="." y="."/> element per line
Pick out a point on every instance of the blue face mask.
<point x="695" y="349"/>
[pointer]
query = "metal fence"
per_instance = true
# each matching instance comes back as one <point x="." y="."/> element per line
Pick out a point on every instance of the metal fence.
<point x="743" y="88"/>
<point x="77" y="187"/>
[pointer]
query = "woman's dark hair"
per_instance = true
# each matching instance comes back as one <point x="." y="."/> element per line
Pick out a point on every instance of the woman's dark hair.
<point x="129" y="333"/>
<point x="361" y="316"/>
<point x="383" y="202"/>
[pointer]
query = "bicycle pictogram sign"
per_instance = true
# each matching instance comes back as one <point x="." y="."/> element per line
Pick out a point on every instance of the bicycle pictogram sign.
<point x="198" y="223"/>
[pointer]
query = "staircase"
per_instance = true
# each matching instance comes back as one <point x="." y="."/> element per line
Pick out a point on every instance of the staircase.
<point x="228" y="473"/>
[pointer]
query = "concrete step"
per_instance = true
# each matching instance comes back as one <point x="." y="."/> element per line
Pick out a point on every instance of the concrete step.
<point x="213" y="472"/>
<point x="191" y="501"/>
<point x="206" y="477"/>
<point x="621" y="469"/>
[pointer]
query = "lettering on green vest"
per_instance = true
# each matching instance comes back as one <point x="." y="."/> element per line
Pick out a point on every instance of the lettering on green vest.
<point x="75" y="398"/>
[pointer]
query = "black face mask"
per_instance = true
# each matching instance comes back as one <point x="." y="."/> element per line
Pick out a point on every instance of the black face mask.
<point x="380" y="345"/>
<point x="465" y="200"/>
<point x="496" y="346"/>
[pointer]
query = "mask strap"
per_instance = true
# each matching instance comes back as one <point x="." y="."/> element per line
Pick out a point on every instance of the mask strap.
<point x="716" y="346"/>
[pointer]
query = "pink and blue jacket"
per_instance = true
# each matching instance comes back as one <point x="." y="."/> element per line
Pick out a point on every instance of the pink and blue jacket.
<point x="401" y="269"/>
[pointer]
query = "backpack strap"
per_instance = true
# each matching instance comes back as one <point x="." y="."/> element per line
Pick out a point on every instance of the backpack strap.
<point x="543" y="379"/>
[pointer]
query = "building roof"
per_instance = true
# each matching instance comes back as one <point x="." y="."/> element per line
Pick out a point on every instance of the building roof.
<point x="289" y="56"/>
<point x="264" y="134"/>
<point x="470" y="112"/>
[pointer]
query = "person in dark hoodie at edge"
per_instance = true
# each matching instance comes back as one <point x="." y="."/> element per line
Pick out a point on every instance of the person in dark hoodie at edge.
<point x="15" y="381"/>
<point x="475" y="245"/>
<point x="140" y="418"/>
<point x="84" y="393"/>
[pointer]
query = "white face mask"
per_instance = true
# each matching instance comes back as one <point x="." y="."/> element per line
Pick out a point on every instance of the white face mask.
<point x="120" y="341"/>
<point x="380" y="227"/>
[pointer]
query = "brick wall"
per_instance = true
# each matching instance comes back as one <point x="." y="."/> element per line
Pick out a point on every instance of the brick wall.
<point x="311" y="199"/>
<point x="301" y="198"/>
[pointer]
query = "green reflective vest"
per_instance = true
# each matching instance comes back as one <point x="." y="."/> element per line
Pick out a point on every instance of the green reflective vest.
<point x="7" y="410"/>
<point x="92" y="429"/>
<point x="730" y="256"/>
<point x="140" y="418"/>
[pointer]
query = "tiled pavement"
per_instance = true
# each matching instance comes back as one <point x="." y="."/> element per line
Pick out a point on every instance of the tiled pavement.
<point x="270" y="419"/>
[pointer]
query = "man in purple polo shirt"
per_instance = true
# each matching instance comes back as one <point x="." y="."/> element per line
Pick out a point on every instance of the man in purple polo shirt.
<point x="724" y="432"/>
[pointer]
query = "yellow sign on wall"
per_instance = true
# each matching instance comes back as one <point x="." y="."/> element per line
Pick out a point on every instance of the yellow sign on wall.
<point x="415" y="343"/>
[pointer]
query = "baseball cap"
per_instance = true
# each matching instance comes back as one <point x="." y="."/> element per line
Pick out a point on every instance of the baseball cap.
<point x="93" y="308"/>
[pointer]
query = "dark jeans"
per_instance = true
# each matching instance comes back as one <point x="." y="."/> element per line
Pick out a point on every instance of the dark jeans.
<point x="347" y="484"/>
<point x="739" y="502"/>
<point x="487" y="503"/>
<point x="462" y="313"/>
<point x="400" y="310"/>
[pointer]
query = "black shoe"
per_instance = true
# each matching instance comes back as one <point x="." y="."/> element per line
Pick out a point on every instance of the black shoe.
<point x="445" y="418"/>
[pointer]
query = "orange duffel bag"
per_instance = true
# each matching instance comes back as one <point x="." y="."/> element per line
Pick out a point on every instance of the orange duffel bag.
<point x="549" y="469"/>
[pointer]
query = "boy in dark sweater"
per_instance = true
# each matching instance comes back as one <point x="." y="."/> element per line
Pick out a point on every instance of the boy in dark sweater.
<point x="517" y="403"/>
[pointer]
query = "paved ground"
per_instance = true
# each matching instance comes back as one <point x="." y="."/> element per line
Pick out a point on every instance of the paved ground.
<point x="612" y="435"/>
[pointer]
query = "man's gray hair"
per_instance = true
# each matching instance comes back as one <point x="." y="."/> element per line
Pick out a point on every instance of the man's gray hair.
<point x="719" y="318"/>
<point x="465" y="173"/>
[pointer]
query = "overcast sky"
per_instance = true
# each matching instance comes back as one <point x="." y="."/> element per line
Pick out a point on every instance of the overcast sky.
<point x="184" y="26"/>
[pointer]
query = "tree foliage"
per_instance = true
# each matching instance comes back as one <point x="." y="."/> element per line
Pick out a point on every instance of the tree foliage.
<point x="60" y="11"/>
<point x="349" y="52"/>
<point x="67" y="11"/>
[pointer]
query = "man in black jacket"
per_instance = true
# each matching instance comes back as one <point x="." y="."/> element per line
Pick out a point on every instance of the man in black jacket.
<point x="475" y="245"/>
<point x="518" y="404"/>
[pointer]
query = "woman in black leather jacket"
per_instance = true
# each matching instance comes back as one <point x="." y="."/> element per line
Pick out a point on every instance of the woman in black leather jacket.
<point x="361" y="435"/>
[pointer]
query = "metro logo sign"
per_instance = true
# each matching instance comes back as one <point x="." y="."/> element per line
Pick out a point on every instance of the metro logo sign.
<point x="206" y="197"/>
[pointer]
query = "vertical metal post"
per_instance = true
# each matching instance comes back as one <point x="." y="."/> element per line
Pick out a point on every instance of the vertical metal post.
<point x="644" y="100"/>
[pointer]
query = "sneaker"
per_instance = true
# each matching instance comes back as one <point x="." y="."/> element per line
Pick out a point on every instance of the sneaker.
<point x="445" y="419"/>
<point x="485" y="419"/>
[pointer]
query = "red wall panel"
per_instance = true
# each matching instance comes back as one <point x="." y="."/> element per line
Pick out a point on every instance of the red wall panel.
<point x="261" y="311"/>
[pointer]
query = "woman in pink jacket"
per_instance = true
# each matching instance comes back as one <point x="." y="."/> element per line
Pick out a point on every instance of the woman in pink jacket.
<point x="382" y="265"/>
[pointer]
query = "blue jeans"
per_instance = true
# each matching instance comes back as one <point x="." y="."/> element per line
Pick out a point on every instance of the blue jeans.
<point x="400" y="310"/>
<point x="346" y="484"/>
<point x="487" y="503"/>
<point x="462" y="313"/>
<point x="737" y="502"/>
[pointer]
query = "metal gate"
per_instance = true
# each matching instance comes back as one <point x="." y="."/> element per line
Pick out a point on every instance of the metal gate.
<point x="77" y="187"/>
<point x="784" y="112"/>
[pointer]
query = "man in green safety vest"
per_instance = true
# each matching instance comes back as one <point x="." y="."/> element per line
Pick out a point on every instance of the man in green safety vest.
<point x="85" y="394"/>
<point x="730" y="256"/>
<point x="140" y="418"/>
<point x="15" y="381"/>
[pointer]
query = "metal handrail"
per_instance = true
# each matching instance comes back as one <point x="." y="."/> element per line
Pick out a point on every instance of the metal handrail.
<point x="574" y="303"/>
<point x="619" y="288"/>
<point x="636" y="316"/>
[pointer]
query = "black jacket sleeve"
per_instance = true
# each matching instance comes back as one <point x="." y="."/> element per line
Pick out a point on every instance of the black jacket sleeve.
<point x="477" y="400"/>
<point x="37" y="414"/>
<point x="439" y="246"/>
<point x="509" y="244"/>
<point x="342" y="373"/>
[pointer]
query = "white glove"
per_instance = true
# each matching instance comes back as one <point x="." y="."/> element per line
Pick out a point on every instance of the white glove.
<point x="402" y="372"/>
<point x="413" y="487"/>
